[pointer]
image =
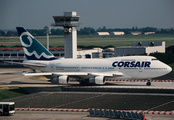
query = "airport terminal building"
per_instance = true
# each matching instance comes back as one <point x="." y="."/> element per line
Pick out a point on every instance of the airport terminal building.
<point x="16" y="54"/>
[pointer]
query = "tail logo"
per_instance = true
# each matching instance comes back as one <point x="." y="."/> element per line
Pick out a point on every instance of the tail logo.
<point x="25" y="36"/>
<point x="33" y="49"/>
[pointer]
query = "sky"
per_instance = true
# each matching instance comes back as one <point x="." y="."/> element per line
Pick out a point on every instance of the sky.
<point x="35" y="14"/>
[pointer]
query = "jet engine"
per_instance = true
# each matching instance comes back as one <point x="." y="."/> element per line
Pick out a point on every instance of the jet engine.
<point x="60" y="79"/>
<point x="97" y="80"/>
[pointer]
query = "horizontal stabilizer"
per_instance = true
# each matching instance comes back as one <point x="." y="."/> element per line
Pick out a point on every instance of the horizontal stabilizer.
<point x="28" y="64"/>
<point x="34" y="65"/>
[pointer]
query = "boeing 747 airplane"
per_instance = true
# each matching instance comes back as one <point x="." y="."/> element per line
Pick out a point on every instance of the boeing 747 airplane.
<point x="87" y="70"/>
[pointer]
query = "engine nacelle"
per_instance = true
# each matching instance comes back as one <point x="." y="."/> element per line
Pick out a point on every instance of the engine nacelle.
<point x="60" y="79"/>
<point x="97" y="80"/>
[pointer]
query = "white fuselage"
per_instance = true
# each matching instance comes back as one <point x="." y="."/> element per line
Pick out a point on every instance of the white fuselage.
<point x="131" y="66"/>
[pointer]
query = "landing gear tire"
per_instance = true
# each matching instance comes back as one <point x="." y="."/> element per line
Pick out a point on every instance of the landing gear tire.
<point x="148" y="83"/>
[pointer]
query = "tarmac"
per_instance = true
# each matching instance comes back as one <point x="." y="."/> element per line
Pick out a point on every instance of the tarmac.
<point x="47" y="95"/>
<point x="98" y="100"/>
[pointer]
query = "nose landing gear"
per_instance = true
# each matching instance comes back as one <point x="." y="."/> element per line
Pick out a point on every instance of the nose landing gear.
<point x="148" y="82"/>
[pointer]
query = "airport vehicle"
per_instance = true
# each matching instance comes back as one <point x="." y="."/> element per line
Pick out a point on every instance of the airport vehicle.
<point x="7" y="108"/>
<point x="87" y="70"/>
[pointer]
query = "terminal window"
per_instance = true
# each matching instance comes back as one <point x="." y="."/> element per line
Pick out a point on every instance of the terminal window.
<point x="6" y="54"/>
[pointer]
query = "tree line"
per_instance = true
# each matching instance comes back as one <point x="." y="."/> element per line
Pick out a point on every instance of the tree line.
<point x="167" y="57"/>
<point x="92" y="31"/>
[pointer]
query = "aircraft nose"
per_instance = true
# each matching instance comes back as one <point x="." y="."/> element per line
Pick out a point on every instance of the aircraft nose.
<point x="169" y="69"/>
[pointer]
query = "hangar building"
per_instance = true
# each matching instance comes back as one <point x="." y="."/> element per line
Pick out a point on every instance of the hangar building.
<point x="135" y="33"/>
<point x="139" y="48"/>
<point x="103" y="33"/>
<point x="117" y="33"/>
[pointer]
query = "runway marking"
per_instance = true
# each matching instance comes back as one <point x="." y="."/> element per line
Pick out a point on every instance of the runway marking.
<point x="161" y="105"/>
<point x="87" y="110"/>
<point x="131" y="80"/>
<point x="33" y="97"/>
<point x="81" y="100"/>
<point x="146" y="87"/>
<point x="136" y="80"/>
<point x="52" y="109"/>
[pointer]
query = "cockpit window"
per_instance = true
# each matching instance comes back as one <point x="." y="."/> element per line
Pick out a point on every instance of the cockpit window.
<point x="154" y="59"/>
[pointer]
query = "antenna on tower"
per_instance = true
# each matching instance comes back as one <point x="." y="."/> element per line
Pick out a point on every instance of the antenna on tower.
<point x="47" y="31"/>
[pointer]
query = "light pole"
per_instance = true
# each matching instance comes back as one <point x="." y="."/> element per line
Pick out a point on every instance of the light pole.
<point x="47" y="31"/>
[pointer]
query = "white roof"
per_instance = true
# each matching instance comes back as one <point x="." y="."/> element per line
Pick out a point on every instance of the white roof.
<point x="7" y="103"/>
<point x="103" y="33"/>
<point x="118" y="33"/>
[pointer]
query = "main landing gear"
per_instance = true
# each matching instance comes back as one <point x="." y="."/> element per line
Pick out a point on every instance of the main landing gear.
<point x="85" y="83"/>
<point x="148" y="82"/>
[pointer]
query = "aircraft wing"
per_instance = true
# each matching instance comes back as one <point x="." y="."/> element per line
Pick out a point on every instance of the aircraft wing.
<point x="36" y="74"/>
<point x="28" y="64"/>
<point x="110" y="74"/>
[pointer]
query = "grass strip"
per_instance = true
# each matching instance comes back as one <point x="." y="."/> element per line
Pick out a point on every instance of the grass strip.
<point x="10" y="92"/>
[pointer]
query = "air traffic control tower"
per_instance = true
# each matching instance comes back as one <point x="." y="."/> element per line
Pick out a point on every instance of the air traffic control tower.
<point x="69" y="21"/>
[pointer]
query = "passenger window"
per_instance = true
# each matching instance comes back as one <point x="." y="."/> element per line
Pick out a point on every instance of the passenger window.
<point x="154" y="59"/>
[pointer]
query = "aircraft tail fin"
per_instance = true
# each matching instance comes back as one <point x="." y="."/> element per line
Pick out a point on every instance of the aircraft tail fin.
<point x="33" y="49"/>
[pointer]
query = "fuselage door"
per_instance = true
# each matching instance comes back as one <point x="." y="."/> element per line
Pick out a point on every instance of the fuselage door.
<point x="120" y="69"/>
<point x="77" y="67"/>
<point x="52" y="65"/>
<point x="140" y="69"/>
